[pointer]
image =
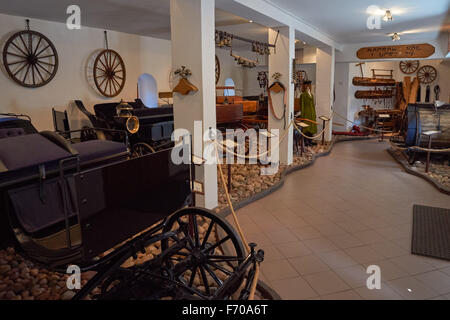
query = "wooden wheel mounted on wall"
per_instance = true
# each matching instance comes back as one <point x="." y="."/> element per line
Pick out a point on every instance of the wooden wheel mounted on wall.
<point x="109" y="73"/>
<point x="409" y="67"/>
<point x="427" y="74"/>
<point x="217" y="70"/>
<point x="30" y="58"/>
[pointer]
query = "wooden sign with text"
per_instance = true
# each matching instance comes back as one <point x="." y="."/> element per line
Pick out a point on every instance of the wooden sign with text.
<point x="422" y="50"/>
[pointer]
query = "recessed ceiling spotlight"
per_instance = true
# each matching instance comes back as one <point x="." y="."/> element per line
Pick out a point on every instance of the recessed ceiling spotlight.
<point x="387" y="16"/>
<point x="395" y="37"/>
<point x="251" y="21"/>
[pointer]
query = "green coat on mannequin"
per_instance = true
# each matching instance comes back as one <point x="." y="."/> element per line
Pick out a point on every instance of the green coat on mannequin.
<point x="308" y="111"/>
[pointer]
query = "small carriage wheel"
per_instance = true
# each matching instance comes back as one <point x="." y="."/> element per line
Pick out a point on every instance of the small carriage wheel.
<point x="427" y="74"/>
<point x="217" y="70"/>
<point x="109" y="73"/>
<point x="213" y="245"/>
<point x="141" y="149"/>
<point x="30" y="59"/>
<point x="409" y="67"/>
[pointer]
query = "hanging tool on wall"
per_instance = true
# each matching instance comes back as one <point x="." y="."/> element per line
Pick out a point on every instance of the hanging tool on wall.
<point x="419" y="94"/>
<point x="437" y="91"/>
<point x="427" y="94"/>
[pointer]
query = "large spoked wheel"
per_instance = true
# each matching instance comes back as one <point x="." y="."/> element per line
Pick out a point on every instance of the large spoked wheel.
<point x="213" y="250"/>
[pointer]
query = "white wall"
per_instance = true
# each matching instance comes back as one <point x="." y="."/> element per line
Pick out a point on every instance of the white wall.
<point x="75" y="51"/>
<point x="230" y="69"/>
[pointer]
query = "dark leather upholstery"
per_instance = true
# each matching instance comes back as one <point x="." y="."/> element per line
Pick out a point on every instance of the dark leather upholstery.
<point x="11" y="132"/>
<point x="99" y="150"/>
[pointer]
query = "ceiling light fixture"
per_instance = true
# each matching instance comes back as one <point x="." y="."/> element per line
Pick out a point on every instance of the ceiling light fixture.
<point x="387" y="16"/>
<point x="251" y="21"/>
<point x="395" y="37"/>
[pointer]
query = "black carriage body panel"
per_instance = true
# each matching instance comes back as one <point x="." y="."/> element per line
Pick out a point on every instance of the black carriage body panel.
<point x="117" y="201"/>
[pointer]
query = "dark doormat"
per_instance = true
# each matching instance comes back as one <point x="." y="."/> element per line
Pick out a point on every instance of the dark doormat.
<point x="431" y="232"/>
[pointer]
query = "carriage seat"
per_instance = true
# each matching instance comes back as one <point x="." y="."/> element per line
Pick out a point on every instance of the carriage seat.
<point x="96" y="151"/>
<point x="11" y="132"/>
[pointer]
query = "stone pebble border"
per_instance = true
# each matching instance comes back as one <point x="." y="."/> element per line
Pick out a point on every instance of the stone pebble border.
<point x="424" y="176"/>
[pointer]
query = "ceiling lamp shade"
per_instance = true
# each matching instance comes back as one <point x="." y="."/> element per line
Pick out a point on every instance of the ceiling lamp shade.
<point x="395" y="37"/>
<point x="387" y="16"/>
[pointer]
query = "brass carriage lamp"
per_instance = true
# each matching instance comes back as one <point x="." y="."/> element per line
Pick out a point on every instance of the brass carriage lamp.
<point x="124" y="112"/>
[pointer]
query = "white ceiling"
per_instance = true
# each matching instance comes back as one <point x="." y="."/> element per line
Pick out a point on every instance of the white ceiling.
<point x="344" y="21"/>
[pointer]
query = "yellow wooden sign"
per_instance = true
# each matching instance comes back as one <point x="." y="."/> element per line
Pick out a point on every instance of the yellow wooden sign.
<point x="422" y="50"/>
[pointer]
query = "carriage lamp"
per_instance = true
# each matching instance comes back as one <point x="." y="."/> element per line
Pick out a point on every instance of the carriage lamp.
<point x="126" y="118"/>
<point x="123" y="109"/>
<point x="387" y="16"/>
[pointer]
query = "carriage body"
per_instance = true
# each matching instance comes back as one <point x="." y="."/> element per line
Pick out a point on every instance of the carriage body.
<point x="60" y="205"/>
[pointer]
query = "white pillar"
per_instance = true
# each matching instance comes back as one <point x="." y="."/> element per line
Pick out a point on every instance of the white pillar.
<point x="281" y="61"/>
<point x="324" y="86"/>
<point x="193" y="46"/>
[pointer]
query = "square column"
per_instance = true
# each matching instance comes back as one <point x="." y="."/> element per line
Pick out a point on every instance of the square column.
<point x="281" y="61"/>
<point x="193" y="45"/>
<point x="324" y="86"/>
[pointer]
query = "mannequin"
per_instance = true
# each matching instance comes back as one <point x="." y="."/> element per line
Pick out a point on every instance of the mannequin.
<point x="308" y="110"/>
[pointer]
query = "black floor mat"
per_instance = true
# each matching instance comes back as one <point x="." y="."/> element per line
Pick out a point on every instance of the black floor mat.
<point x="431" y="232"/>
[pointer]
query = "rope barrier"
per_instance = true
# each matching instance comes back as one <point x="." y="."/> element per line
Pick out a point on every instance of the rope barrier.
<point x="239" y="229"/>
<point x="359" y="125"/>
<point x="416" y="148"/>
<point x="312" y="137"/>
<point x="226" y="149"/>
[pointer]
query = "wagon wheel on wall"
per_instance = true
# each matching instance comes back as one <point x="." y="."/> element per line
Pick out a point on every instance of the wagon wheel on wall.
<point x="109" y="73"/>
<point x="30" y="58"/>
<point x="427" y="74"/>
<point x="217" y="70"/>
<point x="409" y="67"/>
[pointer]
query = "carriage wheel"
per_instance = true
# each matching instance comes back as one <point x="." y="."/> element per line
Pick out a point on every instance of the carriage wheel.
<point x="427" y="74"/>
<point x="217" y="70"/>
<point x="109" y="73"/>
<point x="30" y="59"/>
<point x="409" y="67"/>
<point x="213" y="246"/>
<point x="141" y="149"/>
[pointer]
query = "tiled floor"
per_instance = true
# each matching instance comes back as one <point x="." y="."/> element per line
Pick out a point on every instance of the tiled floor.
<point x="329" y="222"/>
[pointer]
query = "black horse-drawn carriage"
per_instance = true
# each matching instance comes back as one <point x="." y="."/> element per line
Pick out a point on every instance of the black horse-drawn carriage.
<point x="90" y="204"/>
<point x="148" y="129"/>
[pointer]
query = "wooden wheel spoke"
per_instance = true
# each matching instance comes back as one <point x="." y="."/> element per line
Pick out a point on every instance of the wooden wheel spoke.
<point x="42" y="50"/>
<point x="101" y="83"/>
<point x="46" y="63"/>
<point x="15" y="54"/>
<point x="26" y="73"/>
<point x="39" y="73"/>
<point x="24" y="44"/>
<point x="37" y="46"/>
<point x="218" y="244"/>
<point x="114" y="84"/>
<point x="118" y="84"/>
<point x="213" y="275"/>
<point x="20" y="69"/>
<point x="220" y="258"/>
<point x="191" y="279"/>
<point x="39" y="64"/>
<point x="32" y="74"/>
<point x="208" y="232"/>
<point x="17" y="47"/>
<point x="220" y="268"/>
<point x="113" y="63"/>
<point x="47" y="56"/>
<point x="16" y="62"/>
<point x="204" y="279"/>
